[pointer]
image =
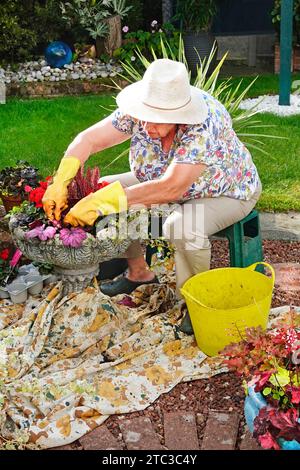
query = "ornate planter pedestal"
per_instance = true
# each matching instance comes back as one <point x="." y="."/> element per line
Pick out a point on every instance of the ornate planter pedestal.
<point x="76" y="267"/>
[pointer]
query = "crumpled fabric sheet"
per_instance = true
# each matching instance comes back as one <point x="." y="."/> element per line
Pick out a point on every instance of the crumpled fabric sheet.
<point x="67" y="364"/>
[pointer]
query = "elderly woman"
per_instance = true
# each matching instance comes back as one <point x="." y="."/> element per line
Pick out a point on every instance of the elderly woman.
<point x="183" y="149"/>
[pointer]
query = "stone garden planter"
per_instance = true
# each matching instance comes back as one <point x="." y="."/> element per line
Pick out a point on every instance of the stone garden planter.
<point x="253" y="403"/>
<point x="76" y="267"/>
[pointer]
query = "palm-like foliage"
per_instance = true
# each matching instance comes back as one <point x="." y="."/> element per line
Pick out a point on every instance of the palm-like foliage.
<point x="230" y="95"/>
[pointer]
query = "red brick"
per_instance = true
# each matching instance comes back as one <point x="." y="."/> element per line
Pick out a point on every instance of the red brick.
<point x="249" y="443"/>
<point x="139" y="434"/>
<point x="180" y="431"/>
<point x="100" y="439"/>
<point x="221" y="431"/>
<point x="287" y="276"/>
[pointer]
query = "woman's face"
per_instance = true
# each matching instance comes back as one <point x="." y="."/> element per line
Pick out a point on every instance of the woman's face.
<point x="156" y="131"/>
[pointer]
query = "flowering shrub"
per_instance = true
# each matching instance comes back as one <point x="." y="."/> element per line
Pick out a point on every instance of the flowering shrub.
<point x="147" y="41"/>
<point x="269" y="362"/>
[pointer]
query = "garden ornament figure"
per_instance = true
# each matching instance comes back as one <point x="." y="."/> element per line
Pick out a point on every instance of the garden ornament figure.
<point x="183" y="151"/>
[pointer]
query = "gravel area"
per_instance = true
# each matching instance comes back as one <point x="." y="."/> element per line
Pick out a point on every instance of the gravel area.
<point x="40" y="71"/>
<point x="224" y="391"/>
<point x="269" y="104"/>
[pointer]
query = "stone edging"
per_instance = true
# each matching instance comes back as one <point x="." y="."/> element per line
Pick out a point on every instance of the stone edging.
<point x="62" y="88"/>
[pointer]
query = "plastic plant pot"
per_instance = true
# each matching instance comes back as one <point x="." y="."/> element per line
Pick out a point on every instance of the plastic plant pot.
<point x="34" y="283"/>
<point x="28" y="269"/>
<point x="3" y="293"/>
<point x="49" y="279"/>
<point x="18" y="292"/>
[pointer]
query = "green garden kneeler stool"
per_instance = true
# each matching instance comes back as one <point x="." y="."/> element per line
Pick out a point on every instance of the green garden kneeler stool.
<point x="245" y="242"/>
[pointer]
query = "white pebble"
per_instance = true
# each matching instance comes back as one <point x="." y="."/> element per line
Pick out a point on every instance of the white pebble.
<point x="270" y="104"/>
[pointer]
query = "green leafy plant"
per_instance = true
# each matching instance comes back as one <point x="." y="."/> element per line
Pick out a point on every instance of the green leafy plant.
<point x="276" y="17"/>
<point x="195" y="15"/>
<point x="14" y="179"/>
<point x="147" y="42"/>
<point x="92" y="14"/>
<point x="17" y="39"/>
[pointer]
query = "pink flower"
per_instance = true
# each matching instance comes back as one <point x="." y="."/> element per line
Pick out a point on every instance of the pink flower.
<point x="72" y="237"/>
<point x="27" y="188"/>
<point x="16" y="258"/>
<point x="48" y="233"/>
<point x="125" y="29"/>
<point x="267" y="441"/>
<point x="42" y="233"/>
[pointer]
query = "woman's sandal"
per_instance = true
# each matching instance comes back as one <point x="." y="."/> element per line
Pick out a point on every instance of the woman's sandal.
<point x="123" y="285"/>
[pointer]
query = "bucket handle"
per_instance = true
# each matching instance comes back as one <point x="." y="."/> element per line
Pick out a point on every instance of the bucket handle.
<point x="267" y="265"/>
<point x="191" y="297"/>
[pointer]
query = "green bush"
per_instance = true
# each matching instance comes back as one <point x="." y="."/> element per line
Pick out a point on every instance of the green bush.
<point x="27" y="27"/>
<point x="148" y="43"/>
<point x="17" y="40"/>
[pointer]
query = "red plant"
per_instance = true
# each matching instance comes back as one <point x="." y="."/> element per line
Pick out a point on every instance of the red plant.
<point x="4" y="255"/>
<point x="84" y="184"/>
<point x="269" y="361"/>
<point x="36" y="195"/>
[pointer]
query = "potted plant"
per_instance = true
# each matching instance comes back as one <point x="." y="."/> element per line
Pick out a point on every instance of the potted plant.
<point x="14" y="180"/>
<point x="295" y="66"/>
<point x="75" y="253"/>
<point x="195" y="19"/>
<point x="100" y="18"/>
<point x="269" y="363"/>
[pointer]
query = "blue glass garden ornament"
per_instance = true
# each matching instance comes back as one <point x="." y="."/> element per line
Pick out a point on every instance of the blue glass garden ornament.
<point x="58" y="54"/>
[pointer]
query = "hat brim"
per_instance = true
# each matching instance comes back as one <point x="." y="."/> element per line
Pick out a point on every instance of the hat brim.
<point x="129" y="100"/>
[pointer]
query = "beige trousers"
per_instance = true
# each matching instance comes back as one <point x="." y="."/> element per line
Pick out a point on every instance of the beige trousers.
<point x="190" y="225"/>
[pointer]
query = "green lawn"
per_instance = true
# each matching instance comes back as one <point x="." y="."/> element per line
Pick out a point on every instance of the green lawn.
<point x="40" y="130"/>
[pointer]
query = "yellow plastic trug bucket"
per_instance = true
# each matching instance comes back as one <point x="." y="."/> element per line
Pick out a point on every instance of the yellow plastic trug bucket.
<point x="223" y="302"/>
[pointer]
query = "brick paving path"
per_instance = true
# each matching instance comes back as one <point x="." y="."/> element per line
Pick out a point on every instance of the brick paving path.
<point x="180" y="433"/>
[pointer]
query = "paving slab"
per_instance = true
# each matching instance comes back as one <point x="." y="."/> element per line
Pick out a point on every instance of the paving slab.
<point x="287" y="276"/>
<point x="220" y="431"/>
<point x="139" y="434"/>
<point x="249" y="443"/>
<point x="280" y="226"/>
<point x="100" y="439"/>
<point x="180" y="431"/>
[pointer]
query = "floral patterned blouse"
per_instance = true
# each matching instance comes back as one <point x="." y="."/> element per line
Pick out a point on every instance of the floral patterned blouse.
<point x="230" y="170"/>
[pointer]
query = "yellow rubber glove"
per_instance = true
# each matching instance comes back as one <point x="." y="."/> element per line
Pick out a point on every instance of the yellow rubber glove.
<point x="109" y="200"/>
<point x="56" y="195"/>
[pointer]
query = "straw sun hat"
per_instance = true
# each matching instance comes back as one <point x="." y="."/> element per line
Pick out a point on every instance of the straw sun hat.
<point x="164" y="95"/>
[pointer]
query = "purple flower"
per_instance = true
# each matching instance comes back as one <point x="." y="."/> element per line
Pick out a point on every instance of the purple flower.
<point x="72" y="237"/>
<point x="42" y="233"/>
<point x="125" y="29"/>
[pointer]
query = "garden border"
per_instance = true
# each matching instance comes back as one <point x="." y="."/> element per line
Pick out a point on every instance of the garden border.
<point x="62" y="88"/>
